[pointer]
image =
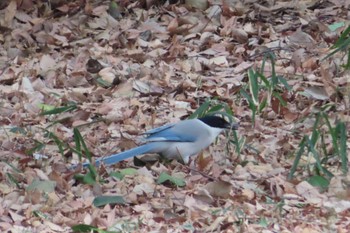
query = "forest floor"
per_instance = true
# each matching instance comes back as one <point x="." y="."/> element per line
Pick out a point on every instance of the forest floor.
<point x="90" y="76"/>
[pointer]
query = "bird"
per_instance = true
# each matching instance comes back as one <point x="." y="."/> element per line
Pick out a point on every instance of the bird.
<point x="179" y="140"/>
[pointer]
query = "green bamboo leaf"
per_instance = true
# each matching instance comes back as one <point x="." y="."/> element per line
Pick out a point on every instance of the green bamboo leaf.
<point x="46" y="186"/>
<point x="163" y="177"/>
<point x="333" y="27"/>
<point x="128" y="171"/>
<point x="318" y="181"/>
<point x="105" y="200"/>
<point x="117" y="175"/>
<point x="82" y="228"/>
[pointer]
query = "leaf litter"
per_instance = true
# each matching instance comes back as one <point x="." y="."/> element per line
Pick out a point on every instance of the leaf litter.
<point x="147" y="64"/>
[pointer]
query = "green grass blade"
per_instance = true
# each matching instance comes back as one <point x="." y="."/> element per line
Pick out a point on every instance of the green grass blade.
<point x="262" y="68"/>
<point x="77" y="142"/>
<point x="347" y="65"/>
<point x="316" y="155"/>
<point x="60" y="110"/>
<point x="13" y="180"/>
<point x="333" y="134"/>
<point x="324" y="149"/>
<point x="228" y="110"/>
<point x="245" y="94"/>
<point x="215" y="108"/>
<point x="38" y="147"/>
<point x="342" y="38"/>
<point x="13" y="167"/>
<point x="262" y="105"/>
<point x="342" y="46"/>
<point x="300" y="152"/>
<point x="315" y="132"/>
<point x="264" y="79"/>
<point x="285" y="83"/>
<point x="238" y="142"/>
<point x="80" y="144"/>
<point x="274" y="79"/>
<point x="60" y="144"/>
<point x="253" y="86"/>
<point x="279" y="97"/>
<point x="252" y="106"/>
<point x="341" y="131"/>
<point x="201" y="110"/>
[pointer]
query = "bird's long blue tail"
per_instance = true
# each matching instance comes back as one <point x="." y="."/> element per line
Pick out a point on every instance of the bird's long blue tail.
<point x="113" y="159"/>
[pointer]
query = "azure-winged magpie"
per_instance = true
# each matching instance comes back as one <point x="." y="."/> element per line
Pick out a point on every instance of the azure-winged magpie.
<point x="177" y="140"/>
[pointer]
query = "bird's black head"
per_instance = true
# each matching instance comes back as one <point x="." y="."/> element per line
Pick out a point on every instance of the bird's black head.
<point x="218" y="122"/>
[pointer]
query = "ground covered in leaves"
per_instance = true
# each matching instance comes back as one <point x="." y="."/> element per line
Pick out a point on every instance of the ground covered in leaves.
<point x="113" y="70"/>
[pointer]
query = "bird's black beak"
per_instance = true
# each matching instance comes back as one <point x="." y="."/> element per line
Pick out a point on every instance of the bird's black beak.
<point x="232" y="126"/>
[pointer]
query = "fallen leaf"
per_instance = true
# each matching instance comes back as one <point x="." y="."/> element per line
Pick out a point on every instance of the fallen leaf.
<point x="219" y="189"/>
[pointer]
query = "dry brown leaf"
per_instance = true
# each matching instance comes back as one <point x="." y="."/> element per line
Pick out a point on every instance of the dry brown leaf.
<point x="10" y="13"/>
<point x="310" y="64"/>
<point x="317" y="93"/>
<point x="240" y="35"/>
<point x="47" y="63"/>
<point x="199" y="4"/>
<point x="310" y="193"/>
<point x="180" y="57"/>
<point x="216" y="223"/>
<point x="173" y="25"/>
<point x="219" y="61"/>
<point x="327" y="79"/>
<point x="298" y="57"/>
<point x="249" y="194"/>
<point x="108" y="74"/>
<point x="301" y="39"/>
<point x="195" y="204"/>
<point x="219" y="189"/>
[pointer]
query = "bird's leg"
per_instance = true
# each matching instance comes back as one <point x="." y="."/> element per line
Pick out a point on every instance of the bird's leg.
<point x="180" y="158"/>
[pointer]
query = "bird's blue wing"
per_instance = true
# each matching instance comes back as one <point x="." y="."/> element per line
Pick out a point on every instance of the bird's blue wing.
<point x="159" y="129"/>
<point x="169" y="134"/>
